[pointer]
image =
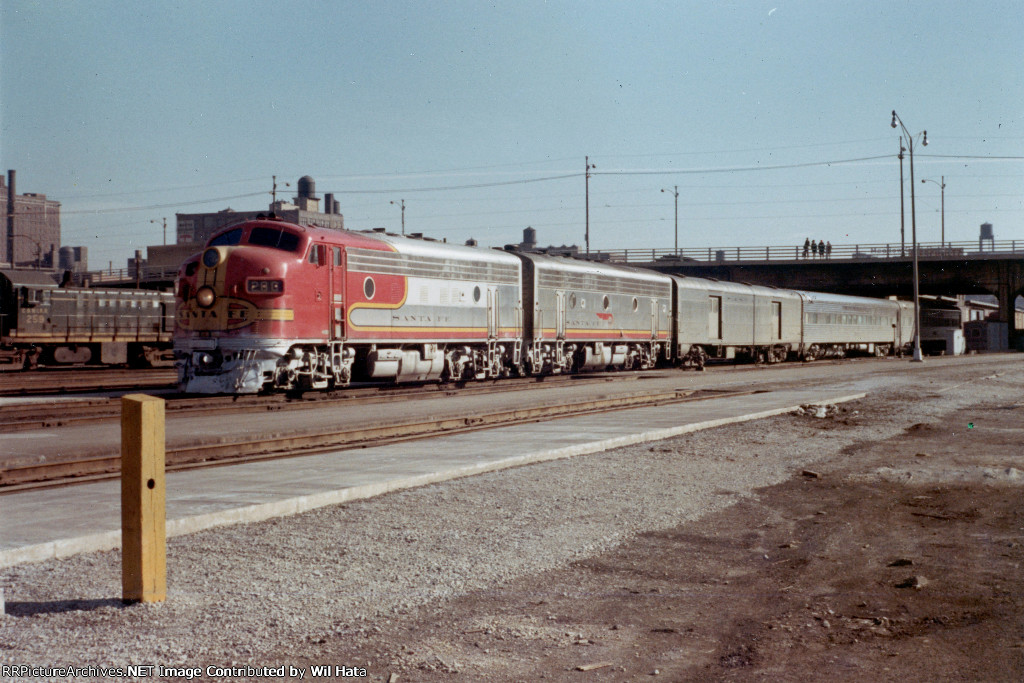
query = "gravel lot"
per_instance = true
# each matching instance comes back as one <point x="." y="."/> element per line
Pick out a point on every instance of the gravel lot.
<point x="281" y="592"/>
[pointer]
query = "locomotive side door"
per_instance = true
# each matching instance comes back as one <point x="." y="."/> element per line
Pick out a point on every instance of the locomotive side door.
<point x="492" y="311"/>
<point x="654" y="318"/>
<point x="337" y="307"/>
<point x="559" y="315"/>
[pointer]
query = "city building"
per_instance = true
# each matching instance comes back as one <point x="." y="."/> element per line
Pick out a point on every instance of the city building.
<point x="35" y="237"/>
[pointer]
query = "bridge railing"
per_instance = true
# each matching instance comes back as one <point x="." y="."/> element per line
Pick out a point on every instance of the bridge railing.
<point x="113" y="276"/>
<point x="796" y="252"/>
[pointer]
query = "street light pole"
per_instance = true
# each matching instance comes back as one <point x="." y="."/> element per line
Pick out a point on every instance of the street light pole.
<point x="675" y="192"/>
<point x="917" y="357"/>
<point x="165" y="228"/>
<point x="942" y="188"/>
<point x="401" y="202"/>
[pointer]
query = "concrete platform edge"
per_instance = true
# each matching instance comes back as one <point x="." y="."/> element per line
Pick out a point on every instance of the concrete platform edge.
<point x="110" y="540"/>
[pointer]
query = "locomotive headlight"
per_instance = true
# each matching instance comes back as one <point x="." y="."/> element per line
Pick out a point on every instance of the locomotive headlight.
<point x="211" y="257"/>
<point x="205" y="297"/>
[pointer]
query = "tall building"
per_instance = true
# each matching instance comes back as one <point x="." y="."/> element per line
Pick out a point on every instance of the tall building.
<point x="36" y="235"/>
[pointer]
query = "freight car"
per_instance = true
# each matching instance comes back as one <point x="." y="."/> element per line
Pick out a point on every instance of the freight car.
<point x="42" y="322"/>
<point x="273" y="305"/>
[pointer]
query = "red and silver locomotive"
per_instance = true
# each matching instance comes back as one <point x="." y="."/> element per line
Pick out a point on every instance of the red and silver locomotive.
<point x="272" y="305"/>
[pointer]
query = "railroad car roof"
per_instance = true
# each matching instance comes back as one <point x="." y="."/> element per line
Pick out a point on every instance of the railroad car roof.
<point x="571" y="265"/>
<point x="31" y="278"/>
<point x="420" y="247"/>
<point x="825" y="297"/>
<point x="736" y="287"/>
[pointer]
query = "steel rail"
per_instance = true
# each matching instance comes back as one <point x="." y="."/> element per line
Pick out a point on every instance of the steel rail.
<point x="28" y="416"/>
<point x="35" y="475"/>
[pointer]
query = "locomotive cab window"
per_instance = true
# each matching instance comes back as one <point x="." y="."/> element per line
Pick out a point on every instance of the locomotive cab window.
<point x="274" y="238"/>
<point x="228" y="239"/>
<point x="317" y="254"/>
<point x="30" y="297"/>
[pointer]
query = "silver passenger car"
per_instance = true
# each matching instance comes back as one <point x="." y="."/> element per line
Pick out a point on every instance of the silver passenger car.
<point x="836" y="323"/>
<point x="726" y="319"/>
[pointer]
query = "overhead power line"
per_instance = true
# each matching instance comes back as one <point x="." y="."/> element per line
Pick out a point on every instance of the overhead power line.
<point x="739" y="169"/>
<point x="172" y="205"/>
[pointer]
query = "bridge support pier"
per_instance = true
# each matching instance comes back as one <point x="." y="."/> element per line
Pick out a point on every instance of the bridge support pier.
<point x="1008" y="293"/>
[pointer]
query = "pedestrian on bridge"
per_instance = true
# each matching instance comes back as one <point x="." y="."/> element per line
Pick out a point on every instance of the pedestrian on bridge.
<point x="828" y="250"/>
<point x="807" y="246"/>
<point x="821" y="248"/>
<point x="814" y="249"/>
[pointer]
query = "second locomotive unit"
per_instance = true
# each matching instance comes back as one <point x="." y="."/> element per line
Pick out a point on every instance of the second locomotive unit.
<point x="273" y="305"/>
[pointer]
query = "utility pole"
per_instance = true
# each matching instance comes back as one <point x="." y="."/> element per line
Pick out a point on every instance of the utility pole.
<point x="273" y="190"/>
<point x="401" y="202"/>
<point x="588" y="166"/>
<point x="675" y="193"/>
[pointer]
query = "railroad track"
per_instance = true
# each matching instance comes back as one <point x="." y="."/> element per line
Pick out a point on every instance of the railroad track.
<point x="29" y="416"/>
<point x="84" y="380"/>
<point x="48" y="474"/>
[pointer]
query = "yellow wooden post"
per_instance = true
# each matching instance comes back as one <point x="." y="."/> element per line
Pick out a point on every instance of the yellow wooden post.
<point x="143" y="532"/>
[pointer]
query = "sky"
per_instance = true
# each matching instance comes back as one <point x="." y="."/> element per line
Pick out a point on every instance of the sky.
<point x="772" y="118"/>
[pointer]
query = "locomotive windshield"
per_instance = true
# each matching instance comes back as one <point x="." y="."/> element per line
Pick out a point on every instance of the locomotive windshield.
<point x="229" y="238"/>
<point x="275" y="238"/>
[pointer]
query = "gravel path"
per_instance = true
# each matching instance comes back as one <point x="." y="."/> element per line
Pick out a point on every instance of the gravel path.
<point x="257" y="594"/>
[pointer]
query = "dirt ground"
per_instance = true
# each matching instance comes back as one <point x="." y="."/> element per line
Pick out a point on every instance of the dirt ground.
<point x="904" y="562"/>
